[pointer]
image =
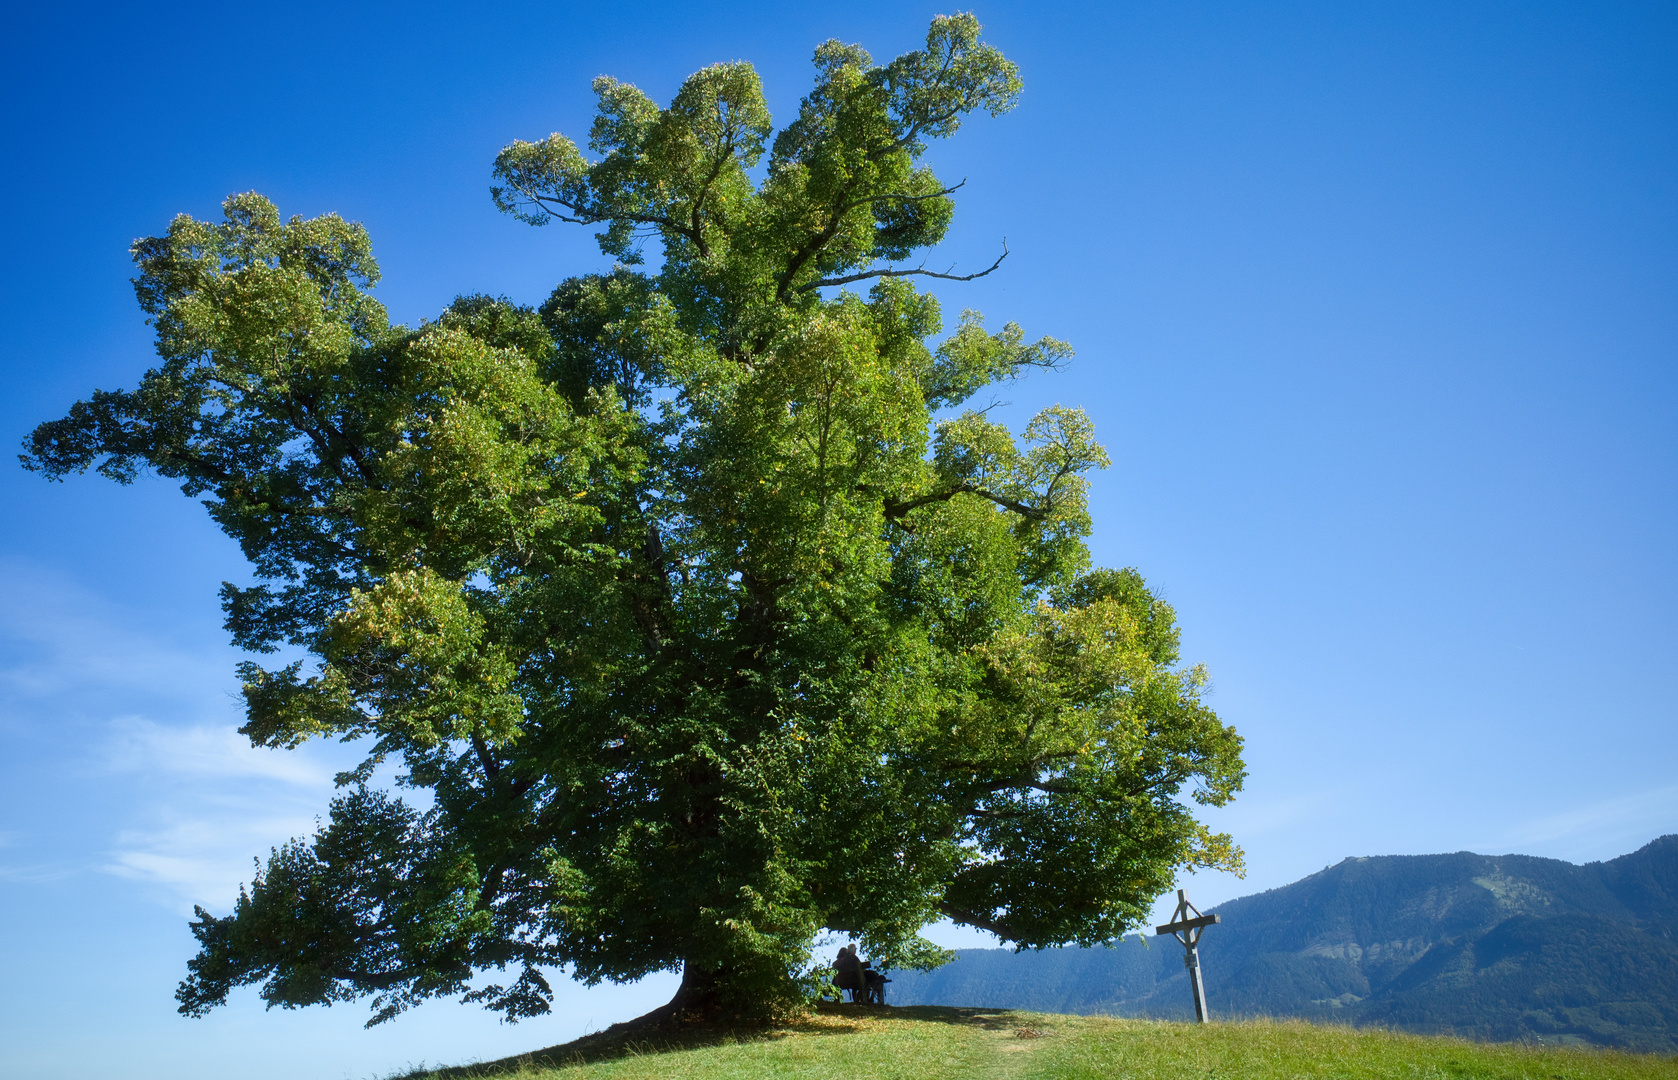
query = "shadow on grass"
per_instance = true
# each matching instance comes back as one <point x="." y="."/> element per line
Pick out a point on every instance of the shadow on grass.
<point x="828" y="1020"/>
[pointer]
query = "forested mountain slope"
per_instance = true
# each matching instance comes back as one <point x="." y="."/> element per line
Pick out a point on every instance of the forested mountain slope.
<point x="1495" y="947"/>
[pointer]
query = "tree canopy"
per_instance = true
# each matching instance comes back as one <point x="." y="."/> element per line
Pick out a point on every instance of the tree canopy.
<point x="694" y="613"/>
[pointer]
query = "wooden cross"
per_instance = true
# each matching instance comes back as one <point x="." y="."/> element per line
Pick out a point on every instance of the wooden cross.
<point x="1187" y="928"/>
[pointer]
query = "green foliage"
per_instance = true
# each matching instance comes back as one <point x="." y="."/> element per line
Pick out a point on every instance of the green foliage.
<point x="697" y="629"/>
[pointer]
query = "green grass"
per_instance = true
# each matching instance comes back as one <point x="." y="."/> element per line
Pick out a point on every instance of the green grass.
<point x="926" y="1043"/>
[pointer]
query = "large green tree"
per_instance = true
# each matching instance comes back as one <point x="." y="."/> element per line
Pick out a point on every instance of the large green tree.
<point x="693" y="627"/>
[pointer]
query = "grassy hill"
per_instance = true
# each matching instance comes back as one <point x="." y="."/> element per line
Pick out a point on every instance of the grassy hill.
<point x="931" y="1043"/>
<point x="1495" y="947"/>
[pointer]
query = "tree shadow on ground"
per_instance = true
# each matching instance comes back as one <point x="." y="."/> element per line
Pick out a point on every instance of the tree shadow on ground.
<point x="629" y="1040"/>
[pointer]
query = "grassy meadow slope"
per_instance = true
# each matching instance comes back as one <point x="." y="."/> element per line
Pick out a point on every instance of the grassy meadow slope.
<point x="929" y="1043"/>
<point x="1494" y="947"/>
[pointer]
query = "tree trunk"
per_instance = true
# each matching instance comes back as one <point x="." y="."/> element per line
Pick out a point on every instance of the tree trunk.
<point x="697" y="999"/>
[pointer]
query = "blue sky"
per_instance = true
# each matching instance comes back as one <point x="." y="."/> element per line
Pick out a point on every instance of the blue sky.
<point x="1374" y="308"/>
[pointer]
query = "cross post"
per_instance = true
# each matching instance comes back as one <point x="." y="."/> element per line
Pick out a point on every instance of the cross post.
<point x="1187" y="928"/>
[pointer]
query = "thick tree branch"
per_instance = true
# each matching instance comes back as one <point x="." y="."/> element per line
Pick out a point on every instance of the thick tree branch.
<point x="896" y="510"/>
<point x="973" y="918"/>
<point x="587" y="216"/>
<point x="697" y="234"/>
<point x="917" y="272"/>
<point x="897" y="197"/>
<point x="486" y="758"/>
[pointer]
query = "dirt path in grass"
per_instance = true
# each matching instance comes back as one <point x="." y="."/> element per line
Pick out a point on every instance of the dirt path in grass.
<point x="1011" y="1041"/>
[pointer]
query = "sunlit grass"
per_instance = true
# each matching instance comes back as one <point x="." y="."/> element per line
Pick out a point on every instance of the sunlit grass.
<point x="851" y="1043"/>
<point x="1124" y="1049"/>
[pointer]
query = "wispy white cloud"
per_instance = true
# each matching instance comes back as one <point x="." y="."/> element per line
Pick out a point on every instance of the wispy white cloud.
<point x="168" y="796"/>
<point x="1635" y="818"/>
<point x="208" y="802"/>
<point x="202" y="859"/>
<point x="1257" y="815"/>
<point x="63" y="644"/>
<point x="38" y="873"/>
<point x="208" y="752"/>
<point x="29" y="873"/>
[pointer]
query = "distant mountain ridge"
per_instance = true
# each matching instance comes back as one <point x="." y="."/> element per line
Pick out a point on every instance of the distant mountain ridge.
<point x="1489" y="946"/>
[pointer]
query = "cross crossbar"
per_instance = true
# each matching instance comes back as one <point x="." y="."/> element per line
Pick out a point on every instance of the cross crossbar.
<point x="1186" y="924"/>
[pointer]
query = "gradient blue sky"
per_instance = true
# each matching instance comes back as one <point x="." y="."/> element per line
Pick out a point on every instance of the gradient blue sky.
<point x="1374" y="307"/>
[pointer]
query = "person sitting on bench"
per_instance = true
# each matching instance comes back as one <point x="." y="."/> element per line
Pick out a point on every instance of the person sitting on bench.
<point x="847" y="973"/>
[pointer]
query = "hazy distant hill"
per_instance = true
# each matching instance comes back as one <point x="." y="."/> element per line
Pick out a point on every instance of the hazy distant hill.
<point x="1494" y="947"/>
